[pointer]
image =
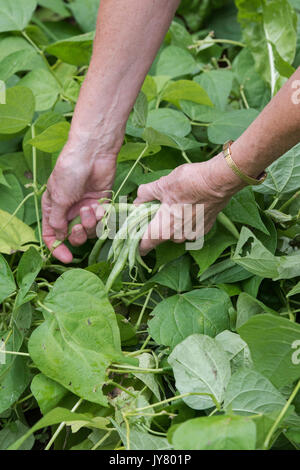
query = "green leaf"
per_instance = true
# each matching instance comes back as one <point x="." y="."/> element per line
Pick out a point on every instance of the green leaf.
<point x="58" y="416"/>
<point x="75" y="51"/>
<point x="132" y="150"/>
<point x="29" y="267"/>
<point x="77" y="343"/>
<point x="169" y="121"/>
<point x="153" y="137"/>
<point x="47" y="393"/>
<point x="256" y="90"/>
<point x="44" y="159"/>
<point x="186" y="90"/>
<point x="53" y="138"/>
<point x="283" y="175"/>
<point x="295" y="290"/>
<point x="175" y="275"/>
<point x="14" y="234"/>
<point x="265" y="23"/>
<point x="271" y="341"/>
<point x="11" y="197"/>
<point x="199" y="311"/>
<point x="242" y="208"/>
<point x="199" y="112"/>
<point x="18" y="111"/>
<point x="14" y="382"/>
<point x="140" y="111"/>
<point x="176" y="62"/>
<point x="7" y="283"/>
<point x="15" y="14"/>
<point x="249" y="392"/>
<point x="253" y="256"/>
<point x="215" y="243"/>
<point x="142" y="440"/>
<point x="22" y="60"/>
<point x="11" y="44"/>
<point x="43" y="86"/>
<point x="13" y="431"/>
<point x="146" y="361"/>
<point x="215" y="433"/>
<point x="217" y="84"/>
<point x="85" y="13"/>
<point x="200" y="366"/>
<point x="225" y="272"/>
<point x="58" y="6"/>
<point x="247" y="306"/>
<point x="231" y="125"/>
<point x="149" y="88"/>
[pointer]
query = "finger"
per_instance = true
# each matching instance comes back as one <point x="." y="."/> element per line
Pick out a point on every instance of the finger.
<point x="88" y="221"/>
<point x="62" y="253"/>
<point x="78" y="235"/>
<point x="148" y="192"/>
<point x="58" y="220"/>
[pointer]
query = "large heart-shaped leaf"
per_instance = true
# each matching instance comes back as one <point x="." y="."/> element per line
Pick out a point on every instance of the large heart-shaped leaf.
<point x="80" y="338"/>
<point x="200" y="365"/>
<point x="273" y="344"/>
<point x="199" y="311"/>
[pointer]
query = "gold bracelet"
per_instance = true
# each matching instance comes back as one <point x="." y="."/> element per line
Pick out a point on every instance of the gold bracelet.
<point x="247" y="179"/>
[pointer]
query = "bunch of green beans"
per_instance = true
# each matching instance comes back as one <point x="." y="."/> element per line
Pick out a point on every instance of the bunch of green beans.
<point x="125" y="247"/>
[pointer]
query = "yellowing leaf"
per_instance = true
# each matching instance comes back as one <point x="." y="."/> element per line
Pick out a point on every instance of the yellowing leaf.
<point x="14" y="234"/>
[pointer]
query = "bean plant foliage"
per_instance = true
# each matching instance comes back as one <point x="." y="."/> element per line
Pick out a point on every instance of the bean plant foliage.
<point x="201" y="351"/>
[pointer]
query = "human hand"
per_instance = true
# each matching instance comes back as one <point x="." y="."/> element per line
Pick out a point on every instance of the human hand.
<point x="74" y="188"/>
<point x="210" y="184"/>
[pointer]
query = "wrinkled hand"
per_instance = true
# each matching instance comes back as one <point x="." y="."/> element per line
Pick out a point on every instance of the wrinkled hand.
<point x="195" y="184"/>
<point x="74" y="188"/>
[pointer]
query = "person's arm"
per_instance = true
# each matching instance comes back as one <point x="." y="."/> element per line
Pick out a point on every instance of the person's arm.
<point x="128" y="36"/>
<point x="213" y="183"/>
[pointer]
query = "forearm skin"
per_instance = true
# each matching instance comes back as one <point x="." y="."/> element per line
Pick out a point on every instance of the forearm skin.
<point x="274" y="132"/>
<point x="128" y="36"/>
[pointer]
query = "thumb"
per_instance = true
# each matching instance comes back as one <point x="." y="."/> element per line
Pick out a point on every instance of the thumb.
<point x="58" y="220"/>
<point x="148" y="192"/>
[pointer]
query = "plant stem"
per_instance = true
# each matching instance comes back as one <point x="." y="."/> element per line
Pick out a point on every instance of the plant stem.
<point x="200" y="124"/>
<point x="130" y="171"/>
<point x="112" y="382"/>
<point x="280" y="416"/>
<point x="35" y="189"/>
<point x="289" y="202"/>
<point x="62" y="425"/>
<point x="145" y="342"/>
<point x="98" y="444"/>
<point x="185" y="156"/>
<point x="14" y="353"/>
<point x="41" y="53"/>
<point x="138" y="323"/>
<point x="16" y="211"/>
<point x="244" y="97"/>
<point x="178" y="397"/>
<point x="221" y="41"/>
